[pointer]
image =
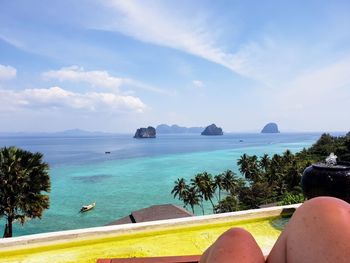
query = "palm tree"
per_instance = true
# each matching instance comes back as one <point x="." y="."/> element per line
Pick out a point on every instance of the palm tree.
<point x="205" y="185"/>
<point x="243" y="164"/>
<point x="293" y="176"/>
<point x="254" y="170"/>
<point x="219" y="184"/>
<point x="264" y="162"/>
<point x="23" y="179"/>
<point x="192" y="198"/>
<point x="197" y="183"/>
<point x="180" y="189"/>
<point x="209" y="188"/>
<point x="288" y="156"/>
<point x="276" y="160"/>
<point x="248" y="166"/>
<point x="229" y="181"/>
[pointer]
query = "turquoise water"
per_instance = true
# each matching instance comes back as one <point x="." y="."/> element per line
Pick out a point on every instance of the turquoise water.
<point x="137" y="173"/>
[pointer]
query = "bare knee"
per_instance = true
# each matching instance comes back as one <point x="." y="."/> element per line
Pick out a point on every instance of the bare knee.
<point x="326" y="201"/>
<point x="324" y="208"/>
<point x="235" y="233"/>
<point x="235" y="245"/>
<point x="318" y="232"/>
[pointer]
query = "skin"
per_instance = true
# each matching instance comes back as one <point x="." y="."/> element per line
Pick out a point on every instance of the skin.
<point x="245" y="249"/>
<point x="319" y="231"/>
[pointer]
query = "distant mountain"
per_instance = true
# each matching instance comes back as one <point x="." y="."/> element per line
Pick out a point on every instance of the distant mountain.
<point x="78" y="132"/>
<point x="166" y="129"/>
<point x="270" y="128"/>
<point x="73" y="132"/>
<point x="212" y="130"/>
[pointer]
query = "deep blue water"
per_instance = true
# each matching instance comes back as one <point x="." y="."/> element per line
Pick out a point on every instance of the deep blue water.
<point x="90" y="149"/>
<point x="138" y="172"/>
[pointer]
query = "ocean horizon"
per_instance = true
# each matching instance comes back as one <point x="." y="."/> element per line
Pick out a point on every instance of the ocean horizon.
<point x="137" y="173"/>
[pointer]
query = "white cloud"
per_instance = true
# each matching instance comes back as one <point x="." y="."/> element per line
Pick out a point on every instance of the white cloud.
<point x="198" y="84"/>
<point x="58" y="98"/>
<point x="7" y="72"/>
<point x="150" y="23"/>
<point x="98" y="78"/>
<point x="269" y="61"/>
<point x="147" y="87"/>
<point x="78" y="74"/>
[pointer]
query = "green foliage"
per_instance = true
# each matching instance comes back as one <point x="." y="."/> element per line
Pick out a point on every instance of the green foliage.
<point x="265" y="180"/>
<point x="290" y="199"/>
<point x="186" y="193"/>
<point x="205" y="185"/>
<point x="180" y="189"/>
<point x="258" y="193"/>
<point x="228" y="204"/>
<point x="23" y="179"/>
<point x="192" y="197"/>
<point x="249" y="167"/>
<point x="219" y="183"/>
<point x="327" y="144"/>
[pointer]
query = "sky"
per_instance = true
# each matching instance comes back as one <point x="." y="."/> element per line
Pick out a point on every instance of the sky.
<point x="116" y="66"/>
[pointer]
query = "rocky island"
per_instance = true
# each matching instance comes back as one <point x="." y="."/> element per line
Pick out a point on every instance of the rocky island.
<point x="270" y="128"/>
<point x="212" y="130"/>
<point x="148" y="132"/>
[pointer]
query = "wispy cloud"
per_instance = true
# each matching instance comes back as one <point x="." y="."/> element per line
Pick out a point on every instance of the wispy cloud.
<point x="7" y="72"/>
<point x="11" y="41"/>
<point x="149" y="22"/>
<point x="198" y="84"/>
<point x="259" y="58"/>
<point x="152" y="22"/>
<point x="97" y="78"/>
<point x="325" y="85"/>
<point x="58" y="98"/>
<point x="314" y="98"/>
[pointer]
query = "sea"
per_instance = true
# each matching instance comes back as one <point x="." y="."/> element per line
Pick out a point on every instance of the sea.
<point x="137" y="173"/>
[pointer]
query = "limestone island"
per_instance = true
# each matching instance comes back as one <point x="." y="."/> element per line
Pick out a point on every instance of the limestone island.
<point x="270" y="128"/>
<point x="212" y="130"/>
<point x="148" y="132"/>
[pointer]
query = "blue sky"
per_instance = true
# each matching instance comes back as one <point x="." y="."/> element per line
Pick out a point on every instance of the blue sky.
<point x="118" y="65"/>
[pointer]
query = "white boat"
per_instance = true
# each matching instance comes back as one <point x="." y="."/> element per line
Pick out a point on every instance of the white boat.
<point x="86" y="208"/>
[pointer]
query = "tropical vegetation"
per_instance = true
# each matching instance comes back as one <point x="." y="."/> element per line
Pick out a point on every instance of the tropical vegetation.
<point x="264" y="180"/>
<point x="24" y="179"/>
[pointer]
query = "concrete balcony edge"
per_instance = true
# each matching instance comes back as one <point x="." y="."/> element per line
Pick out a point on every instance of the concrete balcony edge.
<point x="114" y="230"/>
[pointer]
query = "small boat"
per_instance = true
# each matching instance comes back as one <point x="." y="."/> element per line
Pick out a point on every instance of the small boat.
<point x="86" y="208"/>
<point x="107" y="152"/>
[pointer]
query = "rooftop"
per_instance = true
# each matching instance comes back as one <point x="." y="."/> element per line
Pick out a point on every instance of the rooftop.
<point x="153" y="213"/>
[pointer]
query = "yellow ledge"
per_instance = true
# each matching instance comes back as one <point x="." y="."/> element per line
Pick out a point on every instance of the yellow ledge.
<point x="174" y="237"/>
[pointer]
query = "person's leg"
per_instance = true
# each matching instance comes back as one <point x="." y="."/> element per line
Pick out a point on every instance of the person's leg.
<point x="235" y="245"/>
<point x="319" y="231"/>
